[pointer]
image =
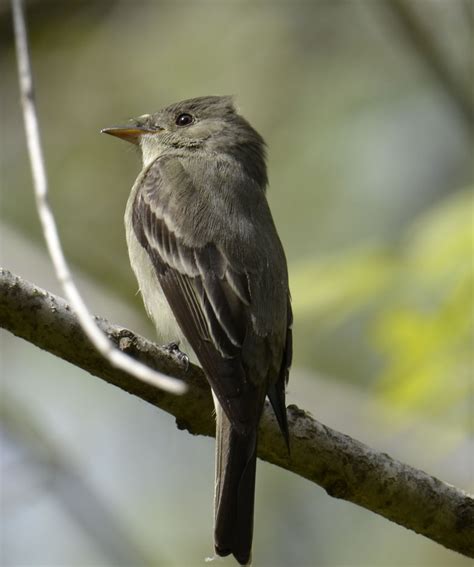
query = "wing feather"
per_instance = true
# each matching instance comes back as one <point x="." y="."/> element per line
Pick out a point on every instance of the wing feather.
<point x="211" y="300"/>
<point x="210" y="314"/>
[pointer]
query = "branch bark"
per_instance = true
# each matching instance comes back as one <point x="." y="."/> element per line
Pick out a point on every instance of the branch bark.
<point x="344" y="467"/>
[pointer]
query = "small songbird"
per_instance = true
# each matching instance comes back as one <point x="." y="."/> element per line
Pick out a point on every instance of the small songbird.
<point x="213" y="276"/>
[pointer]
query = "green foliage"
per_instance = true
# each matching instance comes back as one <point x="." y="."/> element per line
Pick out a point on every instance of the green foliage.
<point x="331" y="289"/>
<point x="401" y="321"/>
<point x="425" y="331"/>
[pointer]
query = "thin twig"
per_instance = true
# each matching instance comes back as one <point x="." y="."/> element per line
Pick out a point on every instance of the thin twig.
<point x="95" y="335"/>
<point x="344" y="467"/>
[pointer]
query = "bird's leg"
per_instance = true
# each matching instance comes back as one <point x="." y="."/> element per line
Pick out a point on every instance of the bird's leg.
<point x="173" y="349"/>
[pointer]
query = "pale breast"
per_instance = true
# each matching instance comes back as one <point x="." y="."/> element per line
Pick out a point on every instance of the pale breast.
<point x="154" y="299"/>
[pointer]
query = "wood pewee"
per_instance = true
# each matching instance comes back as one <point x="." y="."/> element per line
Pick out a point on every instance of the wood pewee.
<point x="213" y="276"/>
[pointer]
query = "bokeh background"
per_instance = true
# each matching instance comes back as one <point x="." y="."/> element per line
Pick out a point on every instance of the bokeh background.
<point x="367" y="108"/>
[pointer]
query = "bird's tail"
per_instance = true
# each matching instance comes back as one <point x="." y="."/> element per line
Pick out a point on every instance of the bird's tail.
<point x="236" y="459"/>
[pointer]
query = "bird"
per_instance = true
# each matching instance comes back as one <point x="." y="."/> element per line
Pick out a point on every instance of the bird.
<point x="213" y="277"/>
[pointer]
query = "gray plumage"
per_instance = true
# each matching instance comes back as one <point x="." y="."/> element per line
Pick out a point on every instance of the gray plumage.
<point x="205" y="250"/>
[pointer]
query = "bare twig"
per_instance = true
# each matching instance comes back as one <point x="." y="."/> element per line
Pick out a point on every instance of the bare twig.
<point x="344" y="467"/>
<point x="96" y="336"/>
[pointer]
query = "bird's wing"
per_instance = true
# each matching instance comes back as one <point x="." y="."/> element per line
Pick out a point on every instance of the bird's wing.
<point x="208" y="296"/>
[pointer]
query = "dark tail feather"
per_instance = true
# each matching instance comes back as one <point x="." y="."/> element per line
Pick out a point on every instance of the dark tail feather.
<point x="236" y="458"/>
<point x="276" y="395"/>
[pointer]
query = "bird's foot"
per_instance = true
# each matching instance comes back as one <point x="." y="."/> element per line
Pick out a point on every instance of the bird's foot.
<point x="179" y="356"/>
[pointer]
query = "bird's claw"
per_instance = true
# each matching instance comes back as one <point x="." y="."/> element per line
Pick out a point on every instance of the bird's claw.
<point x="173" y="349"/>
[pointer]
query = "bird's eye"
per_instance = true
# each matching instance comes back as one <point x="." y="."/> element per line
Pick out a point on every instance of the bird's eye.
<point x="184" y="119"/>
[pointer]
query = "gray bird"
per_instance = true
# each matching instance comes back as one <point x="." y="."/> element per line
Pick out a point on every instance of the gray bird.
<point x="213" y="276"/>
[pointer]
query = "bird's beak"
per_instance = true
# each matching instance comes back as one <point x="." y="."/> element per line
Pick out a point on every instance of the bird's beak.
<point x="130" y="134"/>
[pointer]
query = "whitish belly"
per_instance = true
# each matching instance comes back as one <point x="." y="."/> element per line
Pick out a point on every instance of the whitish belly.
<point x="154" y="299"/>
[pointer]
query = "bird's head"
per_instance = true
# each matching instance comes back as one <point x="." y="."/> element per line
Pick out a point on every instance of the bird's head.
<point x="209" y="123"/>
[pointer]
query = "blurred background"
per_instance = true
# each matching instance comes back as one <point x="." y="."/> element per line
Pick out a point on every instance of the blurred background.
<point x="367" y="109"/>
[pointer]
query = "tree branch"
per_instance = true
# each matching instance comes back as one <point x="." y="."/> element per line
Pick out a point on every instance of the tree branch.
<point x="344" y="467"/>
